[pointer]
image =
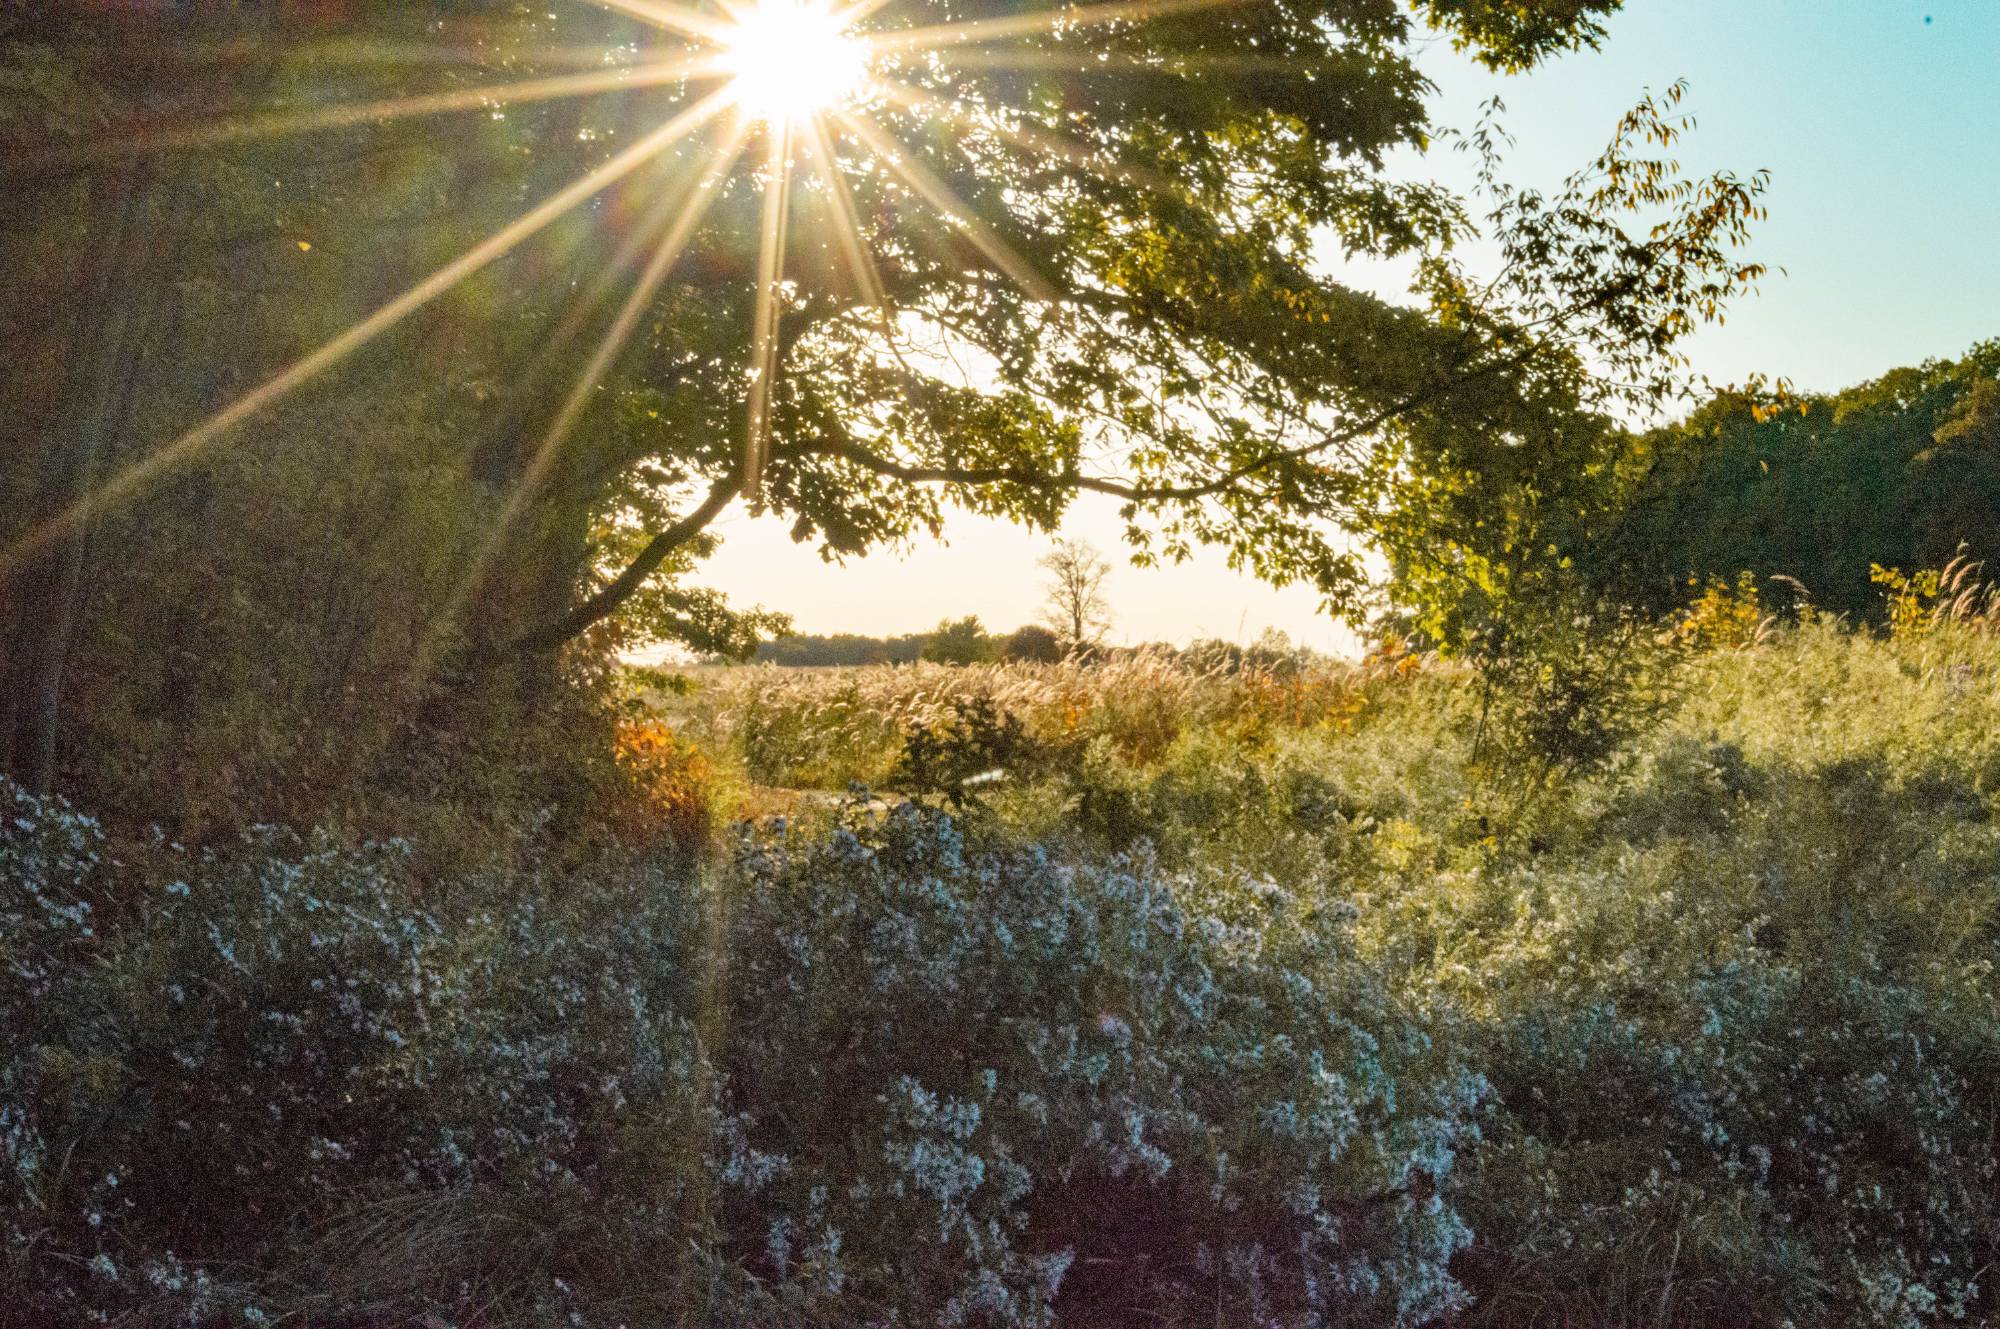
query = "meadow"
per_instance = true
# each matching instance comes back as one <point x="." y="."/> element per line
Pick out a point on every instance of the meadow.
<point x="1128" y="993"/>
<point x="1722" y="1006"/>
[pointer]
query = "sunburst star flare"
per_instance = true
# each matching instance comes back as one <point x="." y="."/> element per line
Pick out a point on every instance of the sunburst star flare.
<point x="789" y="60"/>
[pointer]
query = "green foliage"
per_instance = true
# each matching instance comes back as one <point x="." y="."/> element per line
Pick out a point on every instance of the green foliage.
<point x="823" y="737"/>
<point x="1921" y="602"/>
<point x="263" y="619"/>
<point x="1903" y="471"/>
<point x="1734" y="1009"/>
<point x="1911" y="599"/>
<point x="1502" y="504"/>
<point x="1232" y="1008"/>
<point x="667" y="609"/>
<point x="960" y="641"/>
<point x="1565" y="686"/>
<point x="1513" y="36"/>
<point x="977" y="745"/>
<point x="1033" y="644"/>
<point x="1043" y="1086"/>
<point x="1724" y="615"/>
<point x="1568" y="676"/>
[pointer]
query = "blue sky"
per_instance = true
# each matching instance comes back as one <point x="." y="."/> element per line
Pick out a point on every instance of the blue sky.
<point x="1880" y="123"/>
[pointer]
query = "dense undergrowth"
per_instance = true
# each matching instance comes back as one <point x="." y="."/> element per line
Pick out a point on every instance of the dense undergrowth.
<point x="1155" y="995"/>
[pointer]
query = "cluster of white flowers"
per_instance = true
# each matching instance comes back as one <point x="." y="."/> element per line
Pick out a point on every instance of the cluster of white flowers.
<point x="984" y="1056"/>
<point x="279" y="1025"/>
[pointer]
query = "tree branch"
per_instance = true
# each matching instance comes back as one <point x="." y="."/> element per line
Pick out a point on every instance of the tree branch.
<point x="621" y="588"/>
<point x="1140" y="493"/>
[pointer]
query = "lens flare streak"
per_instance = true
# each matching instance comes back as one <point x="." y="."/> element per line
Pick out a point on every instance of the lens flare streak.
<point x="623" y="78"/>
<point x="693" y="207"/>
<point x="764" y="334"/>
<point x="134" y="477"/>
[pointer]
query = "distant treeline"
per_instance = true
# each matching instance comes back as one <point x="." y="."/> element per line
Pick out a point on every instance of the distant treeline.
<point x="954" y="641"/>
<point x="965" y="641"/>
<point x="842" y="648"/>
<point x="1815" y="497"/>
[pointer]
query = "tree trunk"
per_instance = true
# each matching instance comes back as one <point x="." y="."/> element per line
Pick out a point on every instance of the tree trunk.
<point x="41" y="594"/>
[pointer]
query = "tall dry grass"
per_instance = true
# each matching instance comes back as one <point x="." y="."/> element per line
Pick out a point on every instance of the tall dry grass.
<point x="825" y="728"/>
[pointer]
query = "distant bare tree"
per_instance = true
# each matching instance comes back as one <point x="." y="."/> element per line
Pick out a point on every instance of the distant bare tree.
<point x="1078" y="609"/>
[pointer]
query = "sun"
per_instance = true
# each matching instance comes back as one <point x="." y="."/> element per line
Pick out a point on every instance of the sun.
<point x="791" y="59"/>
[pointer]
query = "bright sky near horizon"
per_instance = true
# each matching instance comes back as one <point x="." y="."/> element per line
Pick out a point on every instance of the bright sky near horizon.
<point x="1880" y="123"/>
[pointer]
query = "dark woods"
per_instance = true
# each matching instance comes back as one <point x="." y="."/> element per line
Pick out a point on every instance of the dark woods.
<point x="254" y="618"/>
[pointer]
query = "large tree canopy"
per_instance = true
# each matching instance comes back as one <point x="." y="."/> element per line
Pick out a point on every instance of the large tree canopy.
<point x="1098" y="255"/>
<point x="1147" y="300"/>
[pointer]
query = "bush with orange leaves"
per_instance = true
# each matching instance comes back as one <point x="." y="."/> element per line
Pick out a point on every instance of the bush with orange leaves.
<point x="1324" y="695"/>
<point x="670" y="783"/>
<point x="1268" y="702"/>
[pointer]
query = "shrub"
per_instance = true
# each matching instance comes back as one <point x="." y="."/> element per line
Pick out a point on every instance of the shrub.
<point x="977" y="745"/>
<point x="905" y="1077"/>
<point x="1921" y="602"/>
<point x="1565" y="686"/>
<point x="995" y="1086"/>
<point x="1724" y="615"/>
<point x="1033" y="644"/>
<point x="282" y="1085"/>
<point x="815" y="734"/>
<point x="1756" y="1145"/>
<point x="671" y="784"/>
<point x="1741" y="1050"/>
<point x="961" y="641"/>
